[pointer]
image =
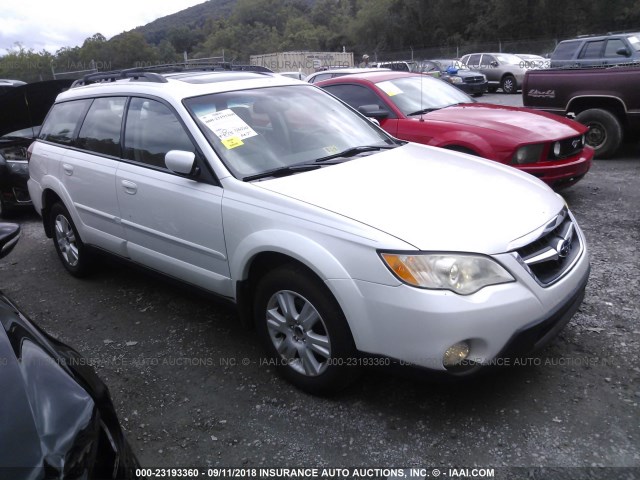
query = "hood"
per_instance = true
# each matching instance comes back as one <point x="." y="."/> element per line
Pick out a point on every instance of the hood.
<point x="528" y="125"/>
<point x="431" y="198"/>
<point x="29" y="104"/>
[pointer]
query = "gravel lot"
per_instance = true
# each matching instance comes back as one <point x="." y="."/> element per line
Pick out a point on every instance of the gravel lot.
<point x="191" y="390"/>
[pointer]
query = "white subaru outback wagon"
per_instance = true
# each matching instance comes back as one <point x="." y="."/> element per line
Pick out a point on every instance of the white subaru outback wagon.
<point x="337" y="241"/>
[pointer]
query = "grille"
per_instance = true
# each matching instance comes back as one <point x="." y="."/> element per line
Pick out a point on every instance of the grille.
<point x="473" y="80"/>
<point x="568" y="147"/>
<point x="549" y="257"/>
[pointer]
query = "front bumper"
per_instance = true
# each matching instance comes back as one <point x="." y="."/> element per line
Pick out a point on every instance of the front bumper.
<point x="472" y="88"/>
<point x="417" y="326"/>
<point x="562" y="173"/>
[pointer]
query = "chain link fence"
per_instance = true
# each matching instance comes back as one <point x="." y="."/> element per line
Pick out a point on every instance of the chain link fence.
<point x="541" y="47"/>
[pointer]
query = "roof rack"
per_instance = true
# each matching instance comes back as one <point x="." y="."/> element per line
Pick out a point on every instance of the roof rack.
<point x="152" y="73"/>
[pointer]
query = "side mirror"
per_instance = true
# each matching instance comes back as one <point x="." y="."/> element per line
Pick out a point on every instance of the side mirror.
<point x="494" y="64"/>
<point x="9" y="236"/>
<point x="623" y="51"/>
<point x="373" y="111"/>
<point x="180" y="162"/>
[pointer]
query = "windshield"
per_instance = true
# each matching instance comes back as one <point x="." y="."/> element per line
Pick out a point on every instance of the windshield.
<point x="509" y="58"/>
<point x="635" y="42"/>
<point x="259" y="130"/>
<point x="418" y="93"/>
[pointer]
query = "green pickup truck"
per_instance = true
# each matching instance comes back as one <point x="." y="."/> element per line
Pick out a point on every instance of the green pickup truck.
<point x="607" y="100"/>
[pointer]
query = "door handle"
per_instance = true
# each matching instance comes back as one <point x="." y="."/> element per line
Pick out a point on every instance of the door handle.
<point x="68" y="169"/>
<point x="129" y="187"/>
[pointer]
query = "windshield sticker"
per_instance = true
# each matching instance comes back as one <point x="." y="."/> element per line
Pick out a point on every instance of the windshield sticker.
<point x="331" y="150"/>
<point x="228" y="127"/>
<point x="389" y="88"/>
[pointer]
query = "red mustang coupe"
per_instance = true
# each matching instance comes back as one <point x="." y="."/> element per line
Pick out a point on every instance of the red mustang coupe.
<point x="427" y="110"/>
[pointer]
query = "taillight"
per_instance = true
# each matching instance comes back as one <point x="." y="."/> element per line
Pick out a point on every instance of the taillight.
<point x="29" y="150"/>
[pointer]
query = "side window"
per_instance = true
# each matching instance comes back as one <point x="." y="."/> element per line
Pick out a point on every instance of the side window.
<point x="63" y="121"/>
<point x="592" y="49"/>
<point x="356" y="95"/>
<point x="565" y="50"/>
<point x="613" y="46"/>
<point x="487" y="60"/>
<point x="474" y="60"/>
<point x="100" y="130"/>
<point x="152" y="129"/>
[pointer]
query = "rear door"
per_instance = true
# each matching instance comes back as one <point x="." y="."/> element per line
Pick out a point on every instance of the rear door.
<point x="591" y="54"/>
<point x="88" y="163"/>
<point x="172" y="223"/>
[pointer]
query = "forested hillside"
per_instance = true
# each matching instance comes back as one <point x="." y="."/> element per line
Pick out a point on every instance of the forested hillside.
<point x="239" y="28"/>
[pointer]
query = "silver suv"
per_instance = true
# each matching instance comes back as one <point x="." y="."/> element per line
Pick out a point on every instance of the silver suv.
<point x="342" y="245"/>
<point x="503" y="70"/>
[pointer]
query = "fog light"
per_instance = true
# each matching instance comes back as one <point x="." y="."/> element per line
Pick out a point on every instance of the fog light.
<point x="455" y="354"/>
<point x="557" y="149"/>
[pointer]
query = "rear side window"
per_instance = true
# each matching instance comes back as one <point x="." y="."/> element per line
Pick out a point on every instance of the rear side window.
<point x="152" y="129"/>
<point x="565" y="50"/>
<point x="63" y="121"/>
<point x="592" y="49"/>
<point x="100" y="130"/>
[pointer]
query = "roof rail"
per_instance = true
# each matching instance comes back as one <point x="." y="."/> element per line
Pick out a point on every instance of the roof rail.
<point x="132" y="73"/>
<point x="151" y="73"/>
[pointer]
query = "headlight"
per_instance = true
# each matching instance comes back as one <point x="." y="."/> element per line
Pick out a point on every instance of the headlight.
<point x="527" y="154"/>
<point x="456" y="80"/>
<point x="463" y="274"/>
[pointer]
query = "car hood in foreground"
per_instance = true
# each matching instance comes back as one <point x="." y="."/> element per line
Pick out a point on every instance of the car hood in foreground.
<point x="528" y="126"/>
<point x="56" y="417"/>
<point x="431" y="198"/>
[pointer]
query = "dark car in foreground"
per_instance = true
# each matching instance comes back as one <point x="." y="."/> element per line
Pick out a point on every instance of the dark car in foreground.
<point x="422" y="109"/>
<point x="27" y="105"/>
<point x="57" y="419"/>
<point x="457" y="74"/>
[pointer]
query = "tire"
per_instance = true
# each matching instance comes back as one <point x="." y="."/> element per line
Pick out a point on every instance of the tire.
<point x="311" y="354"/>
<point x="71" y="251"/>
<point x="509" y="84"/>
<point x="605" y="131"/>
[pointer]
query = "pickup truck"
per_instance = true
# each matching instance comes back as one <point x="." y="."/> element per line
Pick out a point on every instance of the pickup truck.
<point x="607" y="100"/>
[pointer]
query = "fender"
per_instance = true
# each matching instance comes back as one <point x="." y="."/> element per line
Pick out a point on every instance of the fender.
<point x="294" y="245"/>
<point x="468" y="140"/>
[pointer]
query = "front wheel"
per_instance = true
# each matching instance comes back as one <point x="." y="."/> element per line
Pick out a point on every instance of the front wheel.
<point x="509" y="84"/>
<point x="605" y="131"/>
<point x="71" y="251"/>
<point x="304" y="331"/>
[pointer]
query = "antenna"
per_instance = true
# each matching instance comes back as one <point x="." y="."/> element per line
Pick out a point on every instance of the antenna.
<point x="421" y="109"/>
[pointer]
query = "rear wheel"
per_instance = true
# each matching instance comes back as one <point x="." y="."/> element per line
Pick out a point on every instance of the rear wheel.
<point x="509" y="84"/>
<point x="605" y="131"/>
<point x="304" y="331"/>
<point x="71" y="251"/>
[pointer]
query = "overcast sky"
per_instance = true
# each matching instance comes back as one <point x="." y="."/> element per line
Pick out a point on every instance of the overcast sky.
<point x="51" y="25"/>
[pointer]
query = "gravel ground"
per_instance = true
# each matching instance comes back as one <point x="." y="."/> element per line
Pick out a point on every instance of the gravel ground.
<point x="191" y="389"/>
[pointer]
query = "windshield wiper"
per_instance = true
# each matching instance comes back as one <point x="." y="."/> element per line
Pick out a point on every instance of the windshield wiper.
<point x="424" y="110"/>
<point x="282" y="171"/>
<point x="350" y="152"/>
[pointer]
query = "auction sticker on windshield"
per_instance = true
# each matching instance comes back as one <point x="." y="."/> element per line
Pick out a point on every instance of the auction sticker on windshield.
<point x="228" y="127"/>
<point x="389" y="88"/>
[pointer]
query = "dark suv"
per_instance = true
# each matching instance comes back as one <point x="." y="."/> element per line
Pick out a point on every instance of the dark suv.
<point x="591" y="51"/>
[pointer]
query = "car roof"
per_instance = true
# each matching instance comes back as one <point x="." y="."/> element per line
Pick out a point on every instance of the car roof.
<point x="177" y="85"/>
<point x="372" y="77"/>
<point x="349" y="70"/>
<point x="582" y="38"/>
